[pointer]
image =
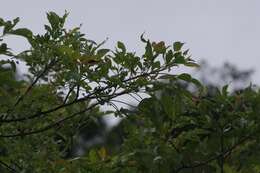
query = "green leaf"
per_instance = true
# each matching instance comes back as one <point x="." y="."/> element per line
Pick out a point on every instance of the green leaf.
<point x="177" y="46"/>
<point x="192" y="64"/>
<point x="186" y="52"/>
<point x="7" y="27"/>
<point x="2" y="22"/>
<point x="196" y="82"/>
<point x="179" y="59"/>
<point x="3" y="48"/>
<point x="15" y="21"/>
<point x="22" y="32"/>
<point x="149" y="51"/>
<point x="47" y="28"/>
<point x="185" y="77"/>
<point x="169" y="56"/>
<point x="168" y="76"/>
<point x="102" y="52"/>
<point x="54" y="20"/>
<point x="156" y="65"/>
<point x="121" y="46"/>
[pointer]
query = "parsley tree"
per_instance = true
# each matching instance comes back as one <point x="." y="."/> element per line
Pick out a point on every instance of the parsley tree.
<point x="70" y="77"/>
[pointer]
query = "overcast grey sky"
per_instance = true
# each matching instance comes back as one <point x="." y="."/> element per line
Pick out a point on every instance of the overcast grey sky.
<point x="215" y="30"/>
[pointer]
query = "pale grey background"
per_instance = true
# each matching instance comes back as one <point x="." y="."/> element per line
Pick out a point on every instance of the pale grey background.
<point x="215" y="30"/>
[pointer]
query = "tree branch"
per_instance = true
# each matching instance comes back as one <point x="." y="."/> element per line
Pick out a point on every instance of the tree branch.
<point x="8" y="167"/>
<point x="224" y="155"/>
<point x="47" y="67"/>
<point x="88" y="97"/>
<point x="58" y="122"/>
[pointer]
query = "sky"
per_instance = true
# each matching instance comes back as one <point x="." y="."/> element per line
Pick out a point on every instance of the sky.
<point x="214" y="30"/>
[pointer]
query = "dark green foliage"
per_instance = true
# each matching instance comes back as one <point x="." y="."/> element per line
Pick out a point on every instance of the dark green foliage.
<point x="44" y="117"/>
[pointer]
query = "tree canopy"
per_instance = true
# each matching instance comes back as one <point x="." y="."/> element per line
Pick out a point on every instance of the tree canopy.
<point x="174" y="129"/>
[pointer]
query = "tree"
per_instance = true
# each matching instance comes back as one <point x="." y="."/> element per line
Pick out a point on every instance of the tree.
<point x="216" y="77"/>
<point x="70" y="77"/>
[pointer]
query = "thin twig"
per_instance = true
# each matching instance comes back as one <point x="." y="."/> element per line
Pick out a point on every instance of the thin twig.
<point x="8" y="167"/>
<point x="134" y="97"/>
<point x="47" y="67"/>
<point x="48" y="127"/>
<point x="68" y="94"/>
<point x="141" y="98"/>
<point x="123" y="103"/>
<point x="90" y="96"/>
<point x="224" y="155"/>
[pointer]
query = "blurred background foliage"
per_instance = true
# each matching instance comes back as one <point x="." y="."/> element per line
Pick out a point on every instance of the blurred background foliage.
<point x="54" y="119"/>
